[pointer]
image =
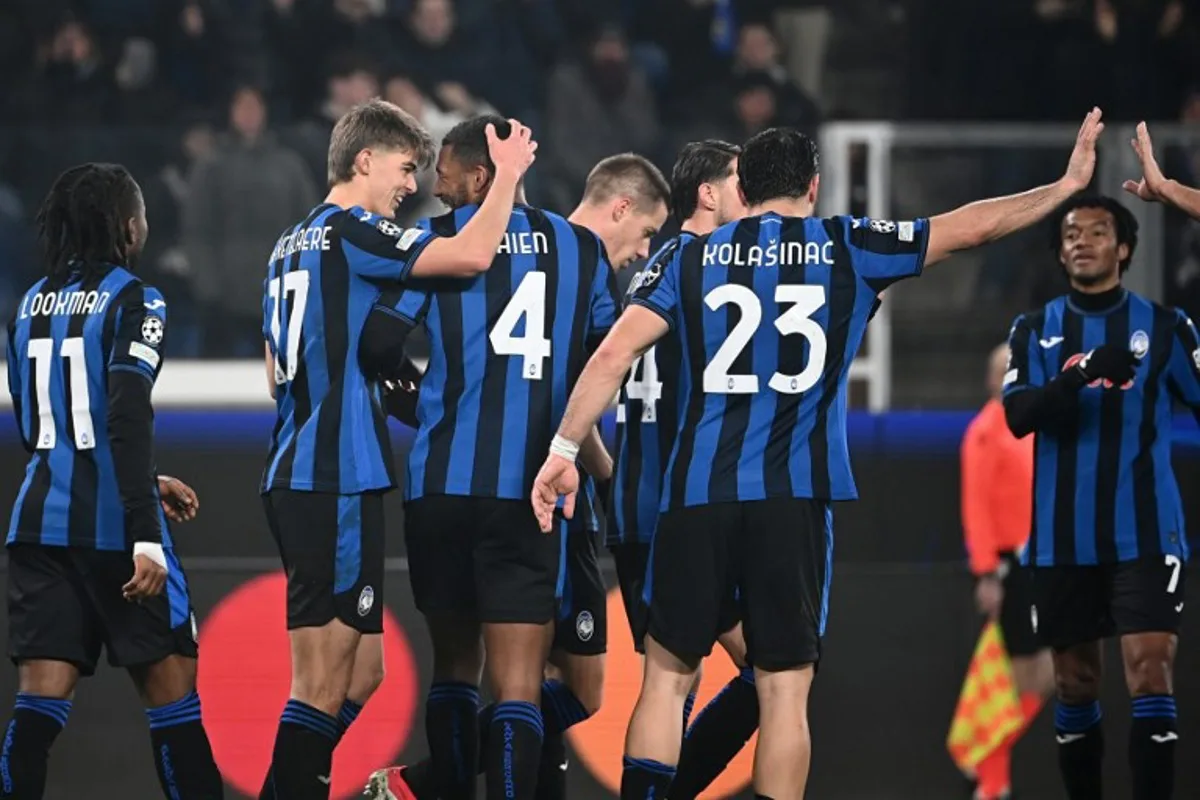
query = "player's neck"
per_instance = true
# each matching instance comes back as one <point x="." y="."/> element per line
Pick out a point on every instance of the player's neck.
<point x="699" y="224"/>
<point x="346" y="195"/>
<point x="1097" y="298"/>
<point x="590" y="217"/>
<point x="784" y="207"/>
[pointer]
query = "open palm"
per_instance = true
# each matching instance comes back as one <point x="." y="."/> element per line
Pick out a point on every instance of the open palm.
<point x="1150" y="187"/>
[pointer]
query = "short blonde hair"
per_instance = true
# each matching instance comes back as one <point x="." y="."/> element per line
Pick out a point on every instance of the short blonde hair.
<point x="375" y="124"/>
<point x="627" y="175"/>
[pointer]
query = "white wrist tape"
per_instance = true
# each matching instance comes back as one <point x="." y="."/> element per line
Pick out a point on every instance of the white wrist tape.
<point x="564" y="448"/>
<point x="152" y="551"/>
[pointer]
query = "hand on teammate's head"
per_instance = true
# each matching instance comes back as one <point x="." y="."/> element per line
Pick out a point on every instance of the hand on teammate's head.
<point x="514" y="153"/>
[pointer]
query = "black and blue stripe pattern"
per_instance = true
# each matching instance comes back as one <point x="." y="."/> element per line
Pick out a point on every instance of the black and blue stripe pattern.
<point x="304" y="715"/>
<point x="57" y="710"/>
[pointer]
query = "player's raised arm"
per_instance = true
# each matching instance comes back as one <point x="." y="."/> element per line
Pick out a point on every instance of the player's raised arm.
<point x="472" y="249"/>
<point x="1156" y="187"/>
<point x="985" y="221"/>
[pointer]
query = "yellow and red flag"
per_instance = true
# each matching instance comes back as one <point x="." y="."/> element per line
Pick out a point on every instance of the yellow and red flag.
<point x="989" y="708"/>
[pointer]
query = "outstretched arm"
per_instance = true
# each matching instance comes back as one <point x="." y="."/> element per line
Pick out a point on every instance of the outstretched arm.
<point x="985" y="221"/>
<point x="1156" y="187"/>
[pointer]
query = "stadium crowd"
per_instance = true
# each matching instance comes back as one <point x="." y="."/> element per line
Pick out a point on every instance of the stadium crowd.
<point x="190" y="93"/>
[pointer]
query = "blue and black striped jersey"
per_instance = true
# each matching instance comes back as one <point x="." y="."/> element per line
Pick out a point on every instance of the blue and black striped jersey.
<point x="647" y="418"/>
<point x="322" y="281"/>
<point x="63" y="344"/>
<point x="1104" y="488"/>
<point x="505" y="350"/>
<point x="769" y="313"/>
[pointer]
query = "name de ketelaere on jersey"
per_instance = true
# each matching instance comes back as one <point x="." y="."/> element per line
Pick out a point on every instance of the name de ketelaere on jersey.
<point x="769" y="312"/>
<point x="505" y="350"/>
<point x="646" y="423"/>
<point x="323" y="279"/>
<point x="1104" y="490"/>
<point x="62" y="344"/>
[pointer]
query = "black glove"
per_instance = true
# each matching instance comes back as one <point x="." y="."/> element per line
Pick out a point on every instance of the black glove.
<point x="1110" y="362"/>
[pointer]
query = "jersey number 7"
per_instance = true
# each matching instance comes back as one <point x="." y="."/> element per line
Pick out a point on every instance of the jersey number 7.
<point x="806" y="300"/>
<point x="295" y="284"/>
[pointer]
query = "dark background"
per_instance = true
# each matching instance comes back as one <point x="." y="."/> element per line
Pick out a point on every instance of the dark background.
<point x="901" y="630"/>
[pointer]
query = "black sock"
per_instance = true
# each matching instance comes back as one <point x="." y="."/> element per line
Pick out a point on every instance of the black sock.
<point x="560" y="707"/>
<point x="1080" y="748"/>
<point x="645" y="779"/>
<point x="420" y="776"/>
<point x="182" y="753"/>
<point x="451" y="720"/>
<point x="35" y="724"/>
<point x="719" y="732"/>
<point x="1152" y="741"/>
<point x="303" y="756"/>
<point x="552" y="769"/>
<point x="349" y="713"/>
<point x="514" y="751"/>
<point x="688" y="705"/>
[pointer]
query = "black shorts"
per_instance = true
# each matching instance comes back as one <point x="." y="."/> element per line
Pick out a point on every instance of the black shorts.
<point x="631" y="560"/>
<point x="765" y="562"/>
<point x="482" y="557"/>
<point x="1078" y="604"/>
<point x="65" y="603"/>
<point x="1016" y="609"/>
<point x="582" y="627"/>
<point x="332" y="551"/>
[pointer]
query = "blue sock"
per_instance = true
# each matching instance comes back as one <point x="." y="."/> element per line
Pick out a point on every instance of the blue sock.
<point x="451" y="729"/>
<point x="560" y="707"/>
<point x="645" y="779"/>
<point x="1152" y="740"/>
<point x="182" y="755"/>
<point x="35" y="724"/>
<point x="1080" y="738"/>
<point x="514" y="751"/>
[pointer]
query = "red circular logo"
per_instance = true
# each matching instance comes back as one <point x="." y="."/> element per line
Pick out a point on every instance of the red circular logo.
<point x="244" y="681"/>
<point x="1099" y="382"/>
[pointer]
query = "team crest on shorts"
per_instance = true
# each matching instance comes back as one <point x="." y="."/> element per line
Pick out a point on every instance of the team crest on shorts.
<point x="366" y="599"/>
<point x="585" y="626"/>
<point x="1139" y="344"/>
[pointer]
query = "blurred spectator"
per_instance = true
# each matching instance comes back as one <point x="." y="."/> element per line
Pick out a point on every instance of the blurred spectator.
<point x="141" y="97"/>
<point x="805" y="26"/>
<point x="351" y="81"/>
<point x="1141" y="41"/>
<point x="445" y="62"/>
<point x="193" y="38"/>
<point x="595" y="107"/>
<point x="240" y="200"/>
<point x="71" y="83"/>
<point x="758" y="54"/>
<point x="697" y="38"/>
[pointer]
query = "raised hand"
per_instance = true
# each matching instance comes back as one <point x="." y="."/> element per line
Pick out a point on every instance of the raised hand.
<point x="515" y="153"/>
<point x="1083" y="157"/>
<point x="1150" y="187"/>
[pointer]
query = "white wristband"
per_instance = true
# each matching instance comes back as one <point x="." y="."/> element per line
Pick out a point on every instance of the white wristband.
<point x="152" y="551"/>
<point x="564" y="448"/>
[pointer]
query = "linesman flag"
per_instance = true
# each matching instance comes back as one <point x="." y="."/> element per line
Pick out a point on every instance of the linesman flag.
<point x="988" y="706"/>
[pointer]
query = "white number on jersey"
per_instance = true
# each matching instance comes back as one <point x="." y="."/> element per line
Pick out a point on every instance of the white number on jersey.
<point x="41" y="351"/>
<point x="529" y="301"/>
<point x="806" y="300"/>
<point x="647" y="388"/>
<point x="1175" y="564"/>
<point x="295" y="283"/>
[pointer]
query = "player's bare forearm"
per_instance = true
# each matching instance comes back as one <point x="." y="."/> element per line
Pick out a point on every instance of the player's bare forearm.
<point x="269" y="361"/>
<point x="1185" y="198"/>
<point x="595" y="456"/>
<point x="984" y="221"/>
<point x="599" y="380"/>
<point x="472" y="250"/>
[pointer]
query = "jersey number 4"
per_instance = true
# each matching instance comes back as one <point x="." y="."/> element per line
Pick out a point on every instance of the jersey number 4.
<point x="41" y="353"/>
<point x="287" y="359"/>
<point x="806" y="300"/>
<point x="528" y="301"/>
<point x="643" y="385"/>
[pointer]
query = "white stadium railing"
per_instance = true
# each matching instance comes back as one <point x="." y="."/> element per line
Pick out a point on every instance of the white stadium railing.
<point x="241" y="383"/>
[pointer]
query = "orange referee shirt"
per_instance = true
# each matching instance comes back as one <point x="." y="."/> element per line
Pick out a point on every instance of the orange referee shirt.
<point x="997" y="488"/>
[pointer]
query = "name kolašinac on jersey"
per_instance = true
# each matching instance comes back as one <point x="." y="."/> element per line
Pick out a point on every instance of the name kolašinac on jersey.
<point x="62" y="344"/>
<point x="506" y="349"/>
<point x="1104" y="489"/>
<point x="769" y="312"/>
<point x="322" y="281"/>
<point x="647" y="418"/>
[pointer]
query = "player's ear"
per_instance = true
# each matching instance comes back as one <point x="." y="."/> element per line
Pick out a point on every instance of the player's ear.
<point x="362" y="162"/>
<point x="708" y="197"/>
<point x="621" y="207"/>
<point x="1122" y="253"/>
<point x="131" y="232"/>
<point x="742" y="195"/>
<point x="814" y="186"/>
